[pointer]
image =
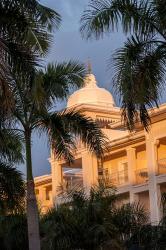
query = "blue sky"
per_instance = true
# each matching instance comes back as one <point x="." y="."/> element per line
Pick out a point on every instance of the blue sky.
<point x="68" y="44"/>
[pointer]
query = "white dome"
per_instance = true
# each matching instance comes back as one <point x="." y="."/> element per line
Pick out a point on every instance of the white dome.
<point x="91" y="94"/>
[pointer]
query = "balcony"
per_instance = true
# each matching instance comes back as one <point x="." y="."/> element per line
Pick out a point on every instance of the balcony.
<point x="117" y="179"/>
<point x="141" y="175"/>
<point x="73" y="183"/>
<point x="161" y="166"/>
<point x="69" y="185"/>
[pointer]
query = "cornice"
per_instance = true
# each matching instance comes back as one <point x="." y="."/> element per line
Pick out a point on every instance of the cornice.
<point x="97" y="108"/>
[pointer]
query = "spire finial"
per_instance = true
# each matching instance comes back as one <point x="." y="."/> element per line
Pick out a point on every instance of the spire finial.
<point x="90" y="80"/>
<point x="89" y="66"/>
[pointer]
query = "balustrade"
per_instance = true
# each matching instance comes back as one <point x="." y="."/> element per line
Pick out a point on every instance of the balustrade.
<point x="117" y="178"/>
<point x="141" y="175"/>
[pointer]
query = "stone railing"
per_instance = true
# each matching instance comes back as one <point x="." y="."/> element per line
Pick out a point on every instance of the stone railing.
<point x="141" y="175"/>
<point x="69" y="185"/>
<point x="65" y="190"/>
<point x="117" y="178"/>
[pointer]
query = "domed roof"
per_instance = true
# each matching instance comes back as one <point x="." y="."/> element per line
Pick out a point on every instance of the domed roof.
<point x="91" y="94"/>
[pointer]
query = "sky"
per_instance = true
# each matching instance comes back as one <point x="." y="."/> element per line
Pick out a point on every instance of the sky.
<point x="68" y="44"/>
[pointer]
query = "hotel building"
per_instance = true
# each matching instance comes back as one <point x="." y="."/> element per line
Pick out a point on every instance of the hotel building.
<point x="135" y="163"/>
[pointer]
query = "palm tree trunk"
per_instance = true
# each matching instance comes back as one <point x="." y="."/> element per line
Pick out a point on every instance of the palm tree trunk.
<point x="32" y="210"/>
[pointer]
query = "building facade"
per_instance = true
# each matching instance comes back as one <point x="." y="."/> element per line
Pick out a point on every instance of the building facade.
<point x="135" y="162"/>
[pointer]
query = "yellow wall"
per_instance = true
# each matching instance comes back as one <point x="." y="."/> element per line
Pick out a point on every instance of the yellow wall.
<point x="114" y="163"/>
<point x="161" y="151"/>
<point x="141" y="160"/>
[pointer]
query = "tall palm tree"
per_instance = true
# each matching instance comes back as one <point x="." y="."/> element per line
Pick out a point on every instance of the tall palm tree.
<point x="12" y="188"/>
<point x="25" y="33"/>
<point x="35" y="99"/>
<point x="140" y="65"/>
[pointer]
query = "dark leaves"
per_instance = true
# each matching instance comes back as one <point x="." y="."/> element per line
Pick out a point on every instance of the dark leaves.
<point x="12" y="189"/>
<point x="140" y="65"/>
<point x="139" y="74"/>
<point x="64" y="127"/>
<point x="23" y="38"/>
<point x="56" y="83"/>
<point x="10" y="146"/>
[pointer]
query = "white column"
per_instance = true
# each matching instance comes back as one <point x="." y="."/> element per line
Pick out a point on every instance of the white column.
<point x="154" y="190"/>
<point x="90" y="170"/>
<point x="57" y="178"/>
<point x="131" y="159"/>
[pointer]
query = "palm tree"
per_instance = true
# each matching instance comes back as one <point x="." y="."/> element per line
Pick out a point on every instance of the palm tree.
<point x="25" y="33"/>
<point x="12" y="188"/>
<point x="140" y="65"/>
<point x="35" y="99"/>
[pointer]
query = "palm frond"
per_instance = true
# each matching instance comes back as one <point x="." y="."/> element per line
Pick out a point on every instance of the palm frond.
<point x="61" y="141"/>
<point x="99" y="18"/>
<point x="26" y="13"/>
<point x="85" y="215"/>
<point x="6" y="98"/>
<point x="27" y="18"/>
<point x="24" y="37"/>
<point x="11" y="146"/>
<point x="63" y="128"/>
<point x="56" y="82"/>
<point x="159" y="9"/>
<point x="105" y="15"/>
<point x="140" y="65"/>
<point x="13" y="231"/>
<point x="60" y="78"/>
<point x="129" y="218"/>
<point x="48" y="17"/>
<point x="139" y="74"/>
<point x="21" y="59"/>
<point x="86" y="129"/>
<point x="12" y="189"/>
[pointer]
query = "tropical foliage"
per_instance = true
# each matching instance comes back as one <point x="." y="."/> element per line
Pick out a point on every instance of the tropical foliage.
<point x="140" y="65"/>
<point x="88" y="222"/>
<point x="14" y="232"/>
<point x="30" y="93"/>
<point x="91" y="222"/>
<point x="35" y="99"/>
<point x="12" y="190"/>
<point x="25" y="35"/>
<point x="26" y="28"/>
